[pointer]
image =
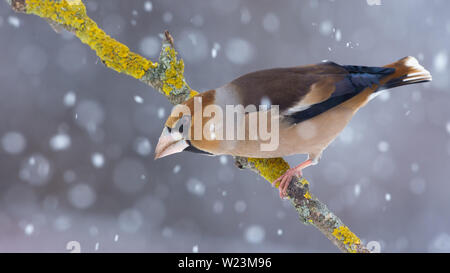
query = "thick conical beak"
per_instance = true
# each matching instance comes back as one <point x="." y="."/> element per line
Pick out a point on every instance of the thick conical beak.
<point x="169" y="144"/>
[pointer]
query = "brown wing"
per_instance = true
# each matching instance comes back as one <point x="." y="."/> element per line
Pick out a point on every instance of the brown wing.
<point x="290" y="88"/>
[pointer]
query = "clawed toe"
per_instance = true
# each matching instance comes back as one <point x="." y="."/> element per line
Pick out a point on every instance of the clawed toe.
<point x="285" y="180"/>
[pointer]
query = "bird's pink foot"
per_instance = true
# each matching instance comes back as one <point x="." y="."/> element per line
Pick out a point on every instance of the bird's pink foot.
<point x="286" y="178"/>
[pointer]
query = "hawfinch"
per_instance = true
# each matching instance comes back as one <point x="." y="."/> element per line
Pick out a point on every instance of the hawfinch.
<point x="306" y="107"/>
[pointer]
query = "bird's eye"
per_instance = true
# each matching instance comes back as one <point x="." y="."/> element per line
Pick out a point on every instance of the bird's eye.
<point x="181" y="129"/>
<point x="169" y="129"/>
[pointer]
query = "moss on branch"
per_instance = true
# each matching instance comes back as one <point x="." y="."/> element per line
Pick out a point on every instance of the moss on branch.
<point x="309" y="208"/>
<point x="72" y="15"/>
<point x="167" y="76"/>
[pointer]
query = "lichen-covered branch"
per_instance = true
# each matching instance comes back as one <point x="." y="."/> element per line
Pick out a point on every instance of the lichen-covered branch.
<point x="167" y="77"/>
<point x="309" y="208"/>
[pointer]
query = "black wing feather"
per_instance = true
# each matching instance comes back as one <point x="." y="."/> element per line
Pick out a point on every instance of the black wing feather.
<point x="357" y="79"/>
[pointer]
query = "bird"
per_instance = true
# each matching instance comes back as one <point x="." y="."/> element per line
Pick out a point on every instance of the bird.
<point x="314" y="104"/>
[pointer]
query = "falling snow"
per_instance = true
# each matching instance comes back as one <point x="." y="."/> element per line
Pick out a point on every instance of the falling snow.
<point x="440" y="61"/>
<point x="13" y="142"/>
<point x="255" y="234"/>
<point x="357" y="190"/>
<point x="77" y="140"/>
<point x="215" y="50"/>
<point x="29" y="229"/>
<point x="326" y="27"/>
<point x="271" y="22"/>
<point x="150" y="46"/>
<point x="82" y="196"/>
<point x="195" y="249"/>
<point x="148" y="6"/>
<point x="245" y="16"/>
<point x="218" y="207"/>
<point x="98" y="160"/>
<point x="60" y="142"/>
<point x="440" y="243"/>
<point x="161" y="112"/>
<point x="142" y="146"/>
<point x="138" y="99"/>
<point x="130" y="220"/>
<point x="70" y="99"/>
<point x="239" y="51"/>
<point x="387" y="197"/>
<point x="167" y="17"/>
<point x="36" y="170"/>
<point x="176" y="169"/>
<point x="374" y="2"/>
<point x="338" y="35"/>
<point x="223" y="159"/>
<point x="414" y="167"/>
<point x="195" y="187"/>
<point x="240" y="206"/>
<point x="14" y="21"/>
<point x="383" y="146"/>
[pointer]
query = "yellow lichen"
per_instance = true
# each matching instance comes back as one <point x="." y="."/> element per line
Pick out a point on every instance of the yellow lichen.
<point x="270" y="168"/>
<point x="193" y="93"/>
<point x="73" y="15"/>
<point x="307" y="195"/>
<point x="344" y="234"/>
<point x="174" y="78"/>
<point x="304" y="182"/>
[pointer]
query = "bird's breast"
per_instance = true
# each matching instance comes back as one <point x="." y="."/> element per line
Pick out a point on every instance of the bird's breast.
<point x="307" y="137"/>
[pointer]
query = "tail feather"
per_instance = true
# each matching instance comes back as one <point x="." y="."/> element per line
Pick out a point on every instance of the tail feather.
<point x="407" y="71"/>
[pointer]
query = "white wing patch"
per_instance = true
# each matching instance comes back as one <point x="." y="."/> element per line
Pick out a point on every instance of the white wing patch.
<point x="295" y="109"/>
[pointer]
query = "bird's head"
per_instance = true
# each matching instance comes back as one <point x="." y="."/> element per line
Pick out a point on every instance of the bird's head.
<point x="178" y="132"/>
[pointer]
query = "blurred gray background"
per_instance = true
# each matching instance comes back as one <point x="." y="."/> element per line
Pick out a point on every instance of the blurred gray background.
<point x="77" y="139"/>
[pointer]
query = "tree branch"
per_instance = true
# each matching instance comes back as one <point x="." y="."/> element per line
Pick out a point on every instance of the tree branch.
<point x="167" y="77"/>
